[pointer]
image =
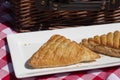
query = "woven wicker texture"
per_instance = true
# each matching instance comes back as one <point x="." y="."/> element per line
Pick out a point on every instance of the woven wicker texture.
<point x="29" y="18"/>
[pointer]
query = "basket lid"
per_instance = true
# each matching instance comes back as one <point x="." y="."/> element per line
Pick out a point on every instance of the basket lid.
<point x="77" y="4"/>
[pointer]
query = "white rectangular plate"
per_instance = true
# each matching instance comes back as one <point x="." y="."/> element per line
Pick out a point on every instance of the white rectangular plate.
<point x="23" y="45"/>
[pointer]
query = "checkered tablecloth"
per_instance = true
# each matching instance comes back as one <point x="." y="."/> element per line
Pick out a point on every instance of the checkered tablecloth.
<point x="6" y="67"/>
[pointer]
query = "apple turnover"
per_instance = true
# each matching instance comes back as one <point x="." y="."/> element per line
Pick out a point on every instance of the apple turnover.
<point x="108" y="44"/>
<point x="60" y="51"/>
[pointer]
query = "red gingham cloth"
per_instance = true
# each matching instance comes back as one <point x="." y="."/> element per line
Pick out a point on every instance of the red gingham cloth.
<point x="6" y="67"/>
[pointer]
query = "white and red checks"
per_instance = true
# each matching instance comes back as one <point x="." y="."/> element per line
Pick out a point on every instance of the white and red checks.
<point x="6" y="67"/>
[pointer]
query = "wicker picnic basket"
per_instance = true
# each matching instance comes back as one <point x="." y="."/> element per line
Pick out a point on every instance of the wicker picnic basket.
<point x="29" y="18"/>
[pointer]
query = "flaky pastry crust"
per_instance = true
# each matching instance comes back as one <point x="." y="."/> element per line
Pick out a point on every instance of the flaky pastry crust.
<point x="108" y="44"/>
<point x="60" y="51"/>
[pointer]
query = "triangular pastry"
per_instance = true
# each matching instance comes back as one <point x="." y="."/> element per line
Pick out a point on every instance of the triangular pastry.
<point x="60" y="51"/>
<point x="108" y="44"/>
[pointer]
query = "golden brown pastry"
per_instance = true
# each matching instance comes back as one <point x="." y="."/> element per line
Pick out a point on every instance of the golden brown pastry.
<point x="59" y="51"/>
<point x="108" y="44"/>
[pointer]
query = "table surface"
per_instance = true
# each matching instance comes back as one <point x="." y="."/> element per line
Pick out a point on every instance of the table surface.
<point x="6" y="67"/>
